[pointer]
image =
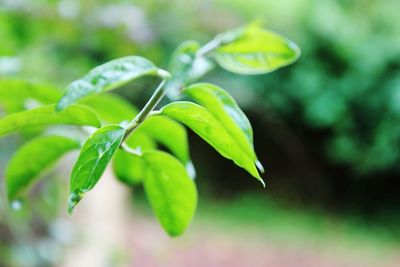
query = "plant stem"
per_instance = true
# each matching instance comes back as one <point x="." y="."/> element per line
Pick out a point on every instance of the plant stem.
<point x="208" y="47"/>
<point x="128" y="149"/>
<point x="150" y="105"/>
<point x="159" y="93"/>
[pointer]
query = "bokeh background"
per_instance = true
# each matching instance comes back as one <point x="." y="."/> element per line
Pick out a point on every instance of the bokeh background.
<point x="326" y="128"/>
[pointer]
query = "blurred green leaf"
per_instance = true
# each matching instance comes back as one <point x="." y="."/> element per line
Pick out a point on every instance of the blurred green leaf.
<point x="14" y="94"/>
<point x="46" y="115"/>
<point x="129" y="168"/>
<point x="171" y="192"/>
<point x="111" y="108"/>
<point x="170" y="134"/>
<point x="202" y="122"/>
<point x="185" y="67"/>
<point x="107" y="77"/>
<point x="33" y="158"/>
<point x="255" y="51"/>
<point x="225" y="109"/>
<point x="95" y="155"/>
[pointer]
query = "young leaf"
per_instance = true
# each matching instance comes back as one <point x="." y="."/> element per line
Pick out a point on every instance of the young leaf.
<point x="186" y="68"/>
<point x="128" y="168"/>
<point x="15" y="94"/>
<point x="107" y="77"/>
<point x="46" y="115"/>
<point x="172" y="194"/>
<point x="202" y="122"/>
<point x="95" y="155"/>
<point x="168" y="133"/>
<point x="225" y="109"/>
<point x="32" y="158"/>
<point x="255" y="51"/>
<point x="111" y="108"/>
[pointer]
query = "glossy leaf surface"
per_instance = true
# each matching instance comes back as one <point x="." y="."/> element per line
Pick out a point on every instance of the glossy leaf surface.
<point x="107" y="77"/>
<point x="32" y="159"/>
<point x="225" y="109"/>
<point x="171" y="192"/>
<point x="255" y="51"/>
<point x="202" y="122"/>
<point x="95" y="155"/>
<point x="46" y="115"/>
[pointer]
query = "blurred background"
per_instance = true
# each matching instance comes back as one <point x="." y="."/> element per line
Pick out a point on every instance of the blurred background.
<point x="326" y="128"/>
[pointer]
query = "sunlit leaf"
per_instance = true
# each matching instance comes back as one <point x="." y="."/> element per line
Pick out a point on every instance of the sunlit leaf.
<point x="225" y="109"/>
<point x="129" y="168"/>
<point x="202" y="122"/>
<point x="171" y="192"/>
<point x="111" y="108"/>
<point x="16" y="95"/>
<point x="107" y="77"/>
<point x="95" y="155"/>
<point x="33" y="158"/>
<point x="255" y="51"/>
<point x="46" y="115"/>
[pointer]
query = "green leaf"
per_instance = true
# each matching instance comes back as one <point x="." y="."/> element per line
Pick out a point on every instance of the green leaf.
<point x="168" y="133"/>
<point x="202" y="122"/>
<point x="46" y="115"/>
<point x="107" y="77"/>
<point x="95" y="155"/>
<point x="129" y="168"/>
<point x="111" y="108"/>
<point x="186" y="68"/>
<point x="225" y="109"/>
<point x="255" y="51"/>
<point x="33" y="158"/>
<point x="171" y="192"/>
<point x="16" y="94"/>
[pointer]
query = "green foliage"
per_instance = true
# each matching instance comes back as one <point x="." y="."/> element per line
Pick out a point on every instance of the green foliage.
<point x="14" y="94"/>
<point x="254" y="51"/>
<point x="224" y="108"/>
<point x="129" y="168"/>
<point x="171" y="192"/>
<point x="170" y="134"/>
<point x="201" y="121"/>
<point x="46" y="115"/>
<point x="32" y="158"/>
<point x="107" y="77"/>
<point x="130" y="138"/>
<point x="111" y="108"/>
<point x="95" y="155"/>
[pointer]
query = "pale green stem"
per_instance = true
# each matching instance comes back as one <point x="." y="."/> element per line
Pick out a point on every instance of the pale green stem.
<point x="150" y="105"/>
<point x="158" y="95"/>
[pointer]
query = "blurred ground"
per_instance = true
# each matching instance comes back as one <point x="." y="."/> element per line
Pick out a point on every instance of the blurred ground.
<point x="212" y="246"/>
<point x="222" y="234"/>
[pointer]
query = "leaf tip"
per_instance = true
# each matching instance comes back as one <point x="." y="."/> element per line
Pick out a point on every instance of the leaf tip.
<point x="73" y="200"/>
<point x="262" y="182"/>
<point x="190" y="169"/>
<point x="260" y="167"/>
